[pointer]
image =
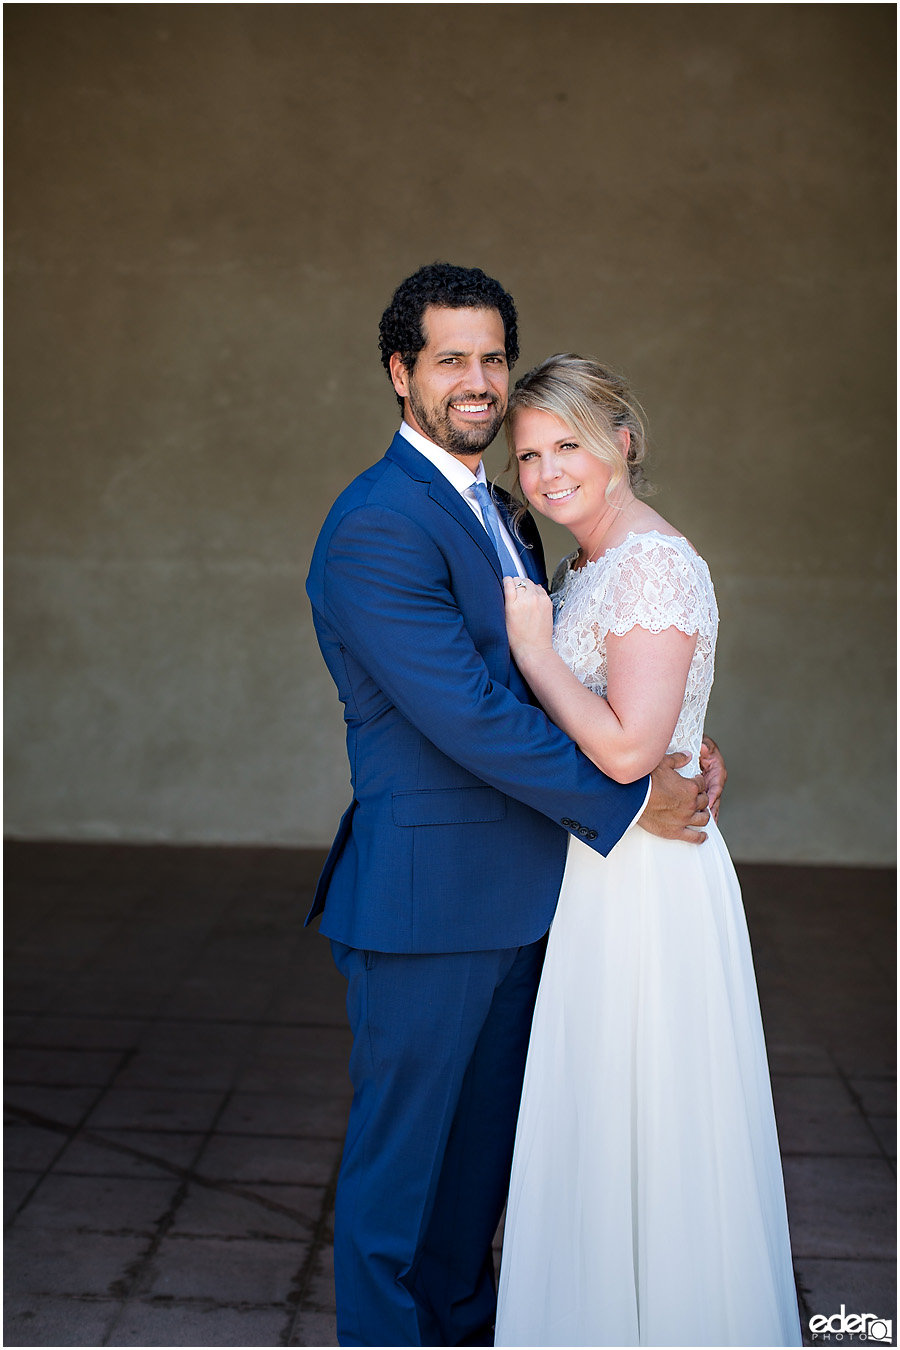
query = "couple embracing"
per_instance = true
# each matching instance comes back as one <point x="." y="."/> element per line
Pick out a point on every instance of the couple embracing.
<point x="520" y="759"/>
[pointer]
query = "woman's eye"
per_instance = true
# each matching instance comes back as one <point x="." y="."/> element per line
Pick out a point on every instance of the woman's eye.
<point x="569" y="445"/>
<point x="525" y="454"/>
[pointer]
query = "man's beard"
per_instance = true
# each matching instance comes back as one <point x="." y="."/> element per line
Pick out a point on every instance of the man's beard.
<point x="458" y="440"/>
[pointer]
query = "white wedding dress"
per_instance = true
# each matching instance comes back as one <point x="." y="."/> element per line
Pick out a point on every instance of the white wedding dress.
<point x="646" y="1203"/>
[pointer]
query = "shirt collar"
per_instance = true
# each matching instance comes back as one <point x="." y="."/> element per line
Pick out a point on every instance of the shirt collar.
<point x="453" y="469"/>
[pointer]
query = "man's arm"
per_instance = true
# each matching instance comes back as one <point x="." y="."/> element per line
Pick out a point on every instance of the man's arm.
<point x="387" y="598"/>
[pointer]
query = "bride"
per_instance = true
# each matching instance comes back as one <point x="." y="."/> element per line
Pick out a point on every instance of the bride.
<point x="646" y="1203"/>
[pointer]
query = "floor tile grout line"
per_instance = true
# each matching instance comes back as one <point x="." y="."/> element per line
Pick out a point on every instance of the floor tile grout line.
<point x="162" y="1228"/>
<point x="857" y="1100"/>
<point x="305" y="1274"/>
<point x="40" y="1023"/>
<point x="143" y="1026"/>
<point x="835" y="1073"/>
<point x="259" y="1026"/>
<point x="146" y="891"/>
<point x="140" y="1265"/>
<point x="118" y="918"/>
<point x="851" y="1257"/>
<point x="187" y="1175"/>
<point x="72" y="1133"/>
<point x="176" y="1301"/>
<point x="207" y="1239"/>
<point x="175" y="1089"/>
<point x="208" y="1182"/>
<point x="833" y="1156"/>
<point x="24" y="1112"/>
<point x="218" y="1185"/>
<point x="176" y="1019"/>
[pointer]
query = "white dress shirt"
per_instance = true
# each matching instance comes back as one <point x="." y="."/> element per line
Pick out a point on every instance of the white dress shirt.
<point x="463" y="479"/>
<point x="459" y="476"/>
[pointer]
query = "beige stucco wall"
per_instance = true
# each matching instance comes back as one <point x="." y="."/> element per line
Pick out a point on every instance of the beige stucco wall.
<point x="208" y="206"/>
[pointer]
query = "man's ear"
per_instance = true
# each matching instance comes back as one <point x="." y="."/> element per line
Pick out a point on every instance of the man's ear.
<point x="399" y="375"/>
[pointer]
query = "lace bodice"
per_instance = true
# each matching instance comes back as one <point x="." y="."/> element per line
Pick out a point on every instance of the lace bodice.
<point x="657" y="581"/>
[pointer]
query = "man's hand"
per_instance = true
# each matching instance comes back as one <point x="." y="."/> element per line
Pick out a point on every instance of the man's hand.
<point x="714" y="772"/>
<point x="677" y="808"/>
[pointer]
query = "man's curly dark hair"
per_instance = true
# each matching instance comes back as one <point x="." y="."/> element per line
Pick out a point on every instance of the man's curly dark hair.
<point x="447" y="287"/>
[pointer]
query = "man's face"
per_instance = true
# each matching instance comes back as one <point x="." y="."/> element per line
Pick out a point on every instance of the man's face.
<point x="456" y="394"/>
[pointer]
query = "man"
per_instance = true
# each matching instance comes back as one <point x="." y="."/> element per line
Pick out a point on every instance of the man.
<point x="445" y="872"/>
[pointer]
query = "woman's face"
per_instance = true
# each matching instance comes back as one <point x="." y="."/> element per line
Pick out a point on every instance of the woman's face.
<point x="559" y="477"/>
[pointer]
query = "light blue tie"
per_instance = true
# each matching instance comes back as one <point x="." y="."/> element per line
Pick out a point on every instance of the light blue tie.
<point x="492" y="525"/>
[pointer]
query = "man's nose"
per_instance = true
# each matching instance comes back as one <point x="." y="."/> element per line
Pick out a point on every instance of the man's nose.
<point x="475" y="377"/>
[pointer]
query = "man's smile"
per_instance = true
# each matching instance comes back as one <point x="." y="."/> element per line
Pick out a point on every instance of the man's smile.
<point x="470" y="409"/>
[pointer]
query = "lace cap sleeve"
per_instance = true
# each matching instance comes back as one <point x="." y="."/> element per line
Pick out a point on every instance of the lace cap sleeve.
<point x="657" y="582"/>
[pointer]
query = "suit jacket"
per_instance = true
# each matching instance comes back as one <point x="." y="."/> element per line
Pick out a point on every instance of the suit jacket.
<point x="464" y="794"/>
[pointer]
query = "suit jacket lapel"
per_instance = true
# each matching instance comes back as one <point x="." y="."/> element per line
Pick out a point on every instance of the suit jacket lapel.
<point x="447" y="496"/>
<point x="442" y="492"/>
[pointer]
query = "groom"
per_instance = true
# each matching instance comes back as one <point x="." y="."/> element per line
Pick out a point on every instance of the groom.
<point x="442" y="881"/>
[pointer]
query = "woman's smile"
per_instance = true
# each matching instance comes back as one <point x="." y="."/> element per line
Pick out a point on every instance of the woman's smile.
<point x="567" y="482"/>
<point x="549" y="455"/>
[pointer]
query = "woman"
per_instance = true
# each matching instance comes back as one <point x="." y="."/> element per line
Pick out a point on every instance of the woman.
<point x="646" y="1201"/>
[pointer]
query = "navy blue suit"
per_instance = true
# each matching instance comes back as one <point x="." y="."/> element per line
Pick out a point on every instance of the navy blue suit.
<point x="439" y="887"/>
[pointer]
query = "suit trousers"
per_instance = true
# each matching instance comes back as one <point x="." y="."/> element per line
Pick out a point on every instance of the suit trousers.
<point x="439" y="1048"/>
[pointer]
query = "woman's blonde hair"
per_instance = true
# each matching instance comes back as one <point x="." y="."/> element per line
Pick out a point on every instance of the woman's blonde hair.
<point x="595" y="403"/>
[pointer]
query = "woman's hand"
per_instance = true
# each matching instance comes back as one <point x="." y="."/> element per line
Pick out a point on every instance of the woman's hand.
<point x="529" y="617"/>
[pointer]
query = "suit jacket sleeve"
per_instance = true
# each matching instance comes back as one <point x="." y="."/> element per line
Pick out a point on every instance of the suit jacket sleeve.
<point x="388" y="598"/>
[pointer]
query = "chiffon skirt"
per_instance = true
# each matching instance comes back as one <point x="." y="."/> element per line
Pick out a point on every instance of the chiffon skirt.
<point x="646" y="1202"/>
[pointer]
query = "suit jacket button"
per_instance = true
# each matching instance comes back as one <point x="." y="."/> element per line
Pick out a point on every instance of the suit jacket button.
<point x="582" y="829"/>
<point x="592" y="834"/>
<point x="567" y="822"/>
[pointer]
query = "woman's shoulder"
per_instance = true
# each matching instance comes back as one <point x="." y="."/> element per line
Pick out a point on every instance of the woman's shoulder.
<point x="663" y="577"/>
<point x="646" y="530"/>
<point x="654" y="542"/>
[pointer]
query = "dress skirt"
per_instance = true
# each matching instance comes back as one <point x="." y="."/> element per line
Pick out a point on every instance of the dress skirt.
<point x="646" y="1203"/>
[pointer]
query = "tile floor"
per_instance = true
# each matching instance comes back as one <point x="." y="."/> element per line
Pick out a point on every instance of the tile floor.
<point x="177" y="1092"/>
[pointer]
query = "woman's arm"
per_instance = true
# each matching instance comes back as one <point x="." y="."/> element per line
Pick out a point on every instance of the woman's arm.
<point x="628" y="733"/>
